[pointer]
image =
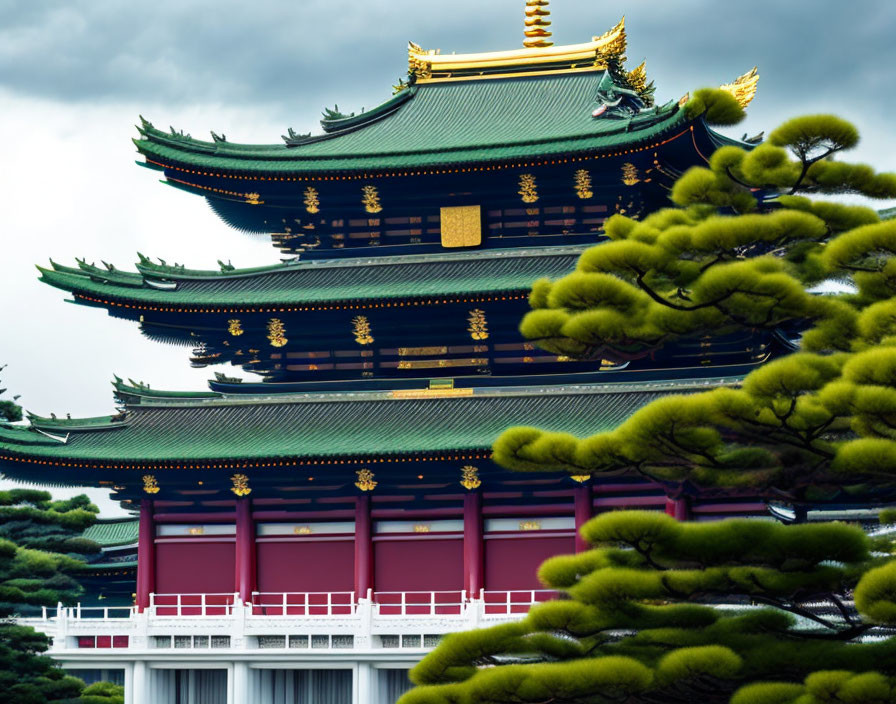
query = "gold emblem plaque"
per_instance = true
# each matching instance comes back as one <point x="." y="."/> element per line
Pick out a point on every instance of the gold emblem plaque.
<point x="462" y="226"/>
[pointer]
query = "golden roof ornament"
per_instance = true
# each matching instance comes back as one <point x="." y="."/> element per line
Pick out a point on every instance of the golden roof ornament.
<point x="637" y="77"/>
<point x="538" y="54"/>
<point x="536" y="32"/>
<point x="744" y="87"/>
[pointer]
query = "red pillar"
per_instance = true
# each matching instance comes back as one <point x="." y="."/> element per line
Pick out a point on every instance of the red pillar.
<point x="363" y="546"/>
<point x="584" y="511"/>
<point x="146" y="554"/>
<point x="678" y="508"/>
<point x="473" y="544"/>
<point x="245" y="550"/>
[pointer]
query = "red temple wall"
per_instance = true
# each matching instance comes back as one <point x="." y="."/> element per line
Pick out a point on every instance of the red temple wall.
<point x="195" y="567"/>
<point x="512" y="562"/>
<point x="306" y="566"/>
<point x="419" y="564"/>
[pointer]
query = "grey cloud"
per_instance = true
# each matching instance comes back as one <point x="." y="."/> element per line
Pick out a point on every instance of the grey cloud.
<point x="289" y="56"/>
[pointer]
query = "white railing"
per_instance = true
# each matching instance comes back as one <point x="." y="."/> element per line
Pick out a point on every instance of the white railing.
<point x="410" y="603"/>
<point x="509" y="602"/>
<point x="104" y="613"/>
<point x="420" y="603"/>
<point x="192" y="604"/>
<point x="303" y="603"/>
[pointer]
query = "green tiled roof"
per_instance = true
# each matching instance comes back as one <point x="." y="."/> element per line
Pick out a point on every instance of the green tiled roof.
<point x="361" y="424"/>
<point x="324" y="281"/>
<point x="113" y="533"/>
<point x="443" y="123"/>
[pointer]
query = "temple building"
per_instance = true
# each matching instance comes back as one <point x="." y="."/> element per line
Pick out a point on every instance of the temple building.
<point x="308" y="530"/>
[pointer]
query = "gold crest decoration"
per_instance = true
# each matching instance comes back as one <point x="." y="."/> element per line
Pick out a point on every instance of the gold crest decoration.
<point x="234" y="327"/>
<point x="361" y="329"/>
<point x="302" y="530"/>
<point x="528" y="188"/>
<point x="312" y="200"/>
<point x="637" y="77"/>
<point x="583" y="184"/>
<point x="370" y="199"/>
<point x="422" y="528"/>
<point x="478" y="327"/>
<point x="253" y="198"/>
<point x="365" y="480"/>
<point x="744" y="87"/>
<point x="530" y="525"/>
<point x="580" y="478"/>
<point x="277" y="333"/>
<point x="150" y="484"/>
<point x="240" y="485"/>
<point x="470" y="478"/>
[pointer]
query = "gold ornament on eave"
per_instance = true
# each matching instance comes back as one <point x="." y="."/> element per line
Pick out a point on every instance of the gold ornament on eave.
<point x="150" y="484"/>
<point x="528" y="188"/>
<point x="240" y="485"/>
<point x="744" y="87"/>
<point x="583" y="184"/>
<point x="277" y="333"/>
<point x="580" y="478"/>
<point x="365" y="480"/>
<point x="630" y="174"/>
<point x="234" y="327"/>
<point x="469" y="479"/>
<point x="362" y="330"/>
<point x="370" y="199"/>
<point x="312" y="200"/>
<point x="536" y="32"/>
<point x="478" y="327"/>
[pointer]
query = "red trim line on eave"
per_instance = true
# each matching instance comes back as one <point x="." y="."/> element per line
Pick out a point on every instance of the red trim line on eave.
<point x="275" y="308"/>
<point x="363" y="176"/>
<point x="246" y="464"/>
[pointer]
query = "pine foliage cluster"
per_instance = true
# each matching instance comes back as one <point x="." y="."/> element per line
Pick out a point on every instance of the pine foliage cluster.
<point x="662" y="612"/>
<point x="751" y="235"/>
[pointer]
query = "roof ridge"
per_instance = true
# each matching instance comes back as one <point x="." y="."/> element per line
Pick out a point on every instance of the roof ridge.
<point x="159" y="400"/>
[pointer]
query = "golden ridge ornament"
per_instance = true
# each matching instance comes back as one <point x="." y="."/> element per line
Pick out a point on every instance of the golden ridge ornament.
<point x="743" y="88"/>
<point x="235" y="327"/>
<point x="630" y="174"/>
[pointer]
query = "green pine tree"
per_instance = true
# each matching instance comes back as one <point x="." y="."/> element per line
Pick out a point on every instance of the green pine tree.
<point x="662" y="612"/>
<point x="741" y="251"/>
<point x="740" y="611"/>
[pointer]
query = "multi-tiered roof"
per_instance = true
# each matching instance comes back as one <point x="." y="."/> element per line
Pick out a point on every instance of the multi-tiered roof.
<point x="483" y="173"/>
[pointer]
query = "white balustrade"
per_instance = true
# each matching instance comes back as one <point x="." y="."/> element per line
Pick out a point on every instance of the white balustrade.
<point x="192" y="604"/>
<point x="313" y="615"/>
<point x="303" y="603"/>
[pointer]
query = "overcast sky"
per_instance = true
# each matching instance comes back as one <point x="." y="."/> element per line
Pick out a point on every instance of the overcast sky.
<point x="75" y="75"/>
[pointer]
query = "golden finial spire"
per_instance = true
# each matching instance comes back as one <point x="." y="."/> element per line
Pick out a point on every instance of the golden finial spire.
<point x="537" y="23"/>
